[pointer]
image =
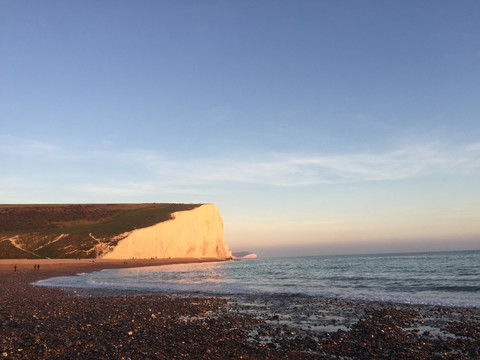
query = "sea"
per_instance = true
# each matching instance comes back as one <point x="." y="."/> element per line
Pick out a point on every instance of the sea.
<point x="435" y="278"/>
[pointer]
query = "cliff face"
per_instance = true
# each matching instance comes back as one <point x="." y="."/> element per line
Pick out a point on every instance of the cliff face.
<point x="193" y="233"/>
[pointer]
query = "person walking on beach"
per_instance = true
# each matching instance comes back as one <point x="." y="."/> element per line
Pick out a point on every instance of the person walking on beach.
<point x="15" y="268"/>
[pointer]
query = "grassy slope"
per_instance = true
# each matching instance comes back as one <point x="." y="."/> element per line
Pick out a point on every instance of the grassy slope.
<point x="8" y="251"/>
<point x="125" y="220"/>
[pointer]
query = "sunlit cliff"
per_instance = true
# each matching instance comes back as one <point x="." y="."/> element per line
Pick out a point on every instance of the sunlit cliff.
<point x="112" y="231"/>
<point x="193" y="233"/>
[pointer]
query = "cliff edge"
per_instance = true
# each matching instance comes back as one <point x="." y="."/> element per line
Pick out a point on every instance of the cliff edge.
<point x="195" y="233"/>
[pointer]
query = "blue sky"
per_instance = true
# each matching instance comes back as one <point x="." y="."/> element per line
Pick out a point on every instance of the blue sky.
<point x="314" y="126"/>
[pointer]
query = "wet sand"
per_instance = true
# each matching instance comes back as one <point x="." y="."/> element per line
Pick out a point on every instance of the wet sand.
<point x="50" y="323"/>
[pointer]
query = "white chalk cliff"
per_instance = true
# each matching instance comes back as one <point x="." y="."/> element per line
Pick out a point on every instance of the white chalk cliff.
<point x="196" y="233"/>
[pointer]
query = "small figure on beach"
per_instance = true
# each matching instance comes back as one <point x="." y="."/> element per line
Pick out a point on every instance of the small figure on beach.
<point x="38" y="266"/>
<point x="15" y="268"/>
<point x="35" y="267"/>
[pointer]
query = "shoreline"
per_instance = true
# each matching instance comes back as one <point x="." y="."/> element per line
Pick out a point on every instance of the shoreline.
<point x="45" y="322"/>
<point x="74" y="266"/>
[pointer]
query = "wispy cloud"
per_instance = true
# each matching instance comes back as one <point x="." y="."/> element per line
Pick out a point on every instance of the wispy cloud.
<point x="308" y="169"/>
<point x="296" y="170"/>
<point x="402" y="163"/>
<point x="18" y="146"/>
<point x="134" y="172"/>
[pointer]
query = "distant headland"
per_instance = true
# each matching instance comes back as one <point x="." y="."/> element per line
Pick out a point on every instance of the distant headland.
<point x="112" y="231"/>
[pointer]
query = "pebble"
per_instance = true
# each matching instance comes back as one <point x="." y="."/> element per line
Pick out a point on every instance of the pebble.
<point x="42" y="323"/>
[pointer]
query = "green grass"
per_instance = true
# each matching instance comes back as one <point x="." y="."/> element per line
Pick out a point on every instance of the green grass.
<point x="69" y="247"/>
<point x="126" y="220"/>
<point x="8" y="251"/>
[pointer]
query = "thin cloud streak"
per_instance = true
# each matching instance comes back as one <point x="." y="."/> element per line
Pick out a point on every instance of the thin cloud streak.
<point x="286" y="170"/>
<point x="17" y="146"/>
<point x="147" y="171"/>
<point x="300" y="170"/>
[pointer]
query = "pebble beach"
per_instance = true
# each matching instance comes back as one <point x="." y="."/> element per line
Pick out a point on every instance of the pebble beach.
<point x="52" y="323"/>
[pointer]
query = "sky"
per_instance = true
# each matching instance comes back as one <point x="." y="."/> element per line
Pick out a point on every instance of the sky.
<point x="316" y="127"/>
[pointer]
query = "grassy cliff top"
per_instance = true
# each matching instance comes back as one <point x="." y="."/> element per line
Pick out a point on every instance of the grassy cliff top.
<point x="82" y="219"/>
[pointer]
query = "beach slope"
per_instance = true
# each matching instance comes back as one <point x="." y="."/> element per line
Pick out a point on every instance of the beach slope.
<point x="40" y="322"/>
